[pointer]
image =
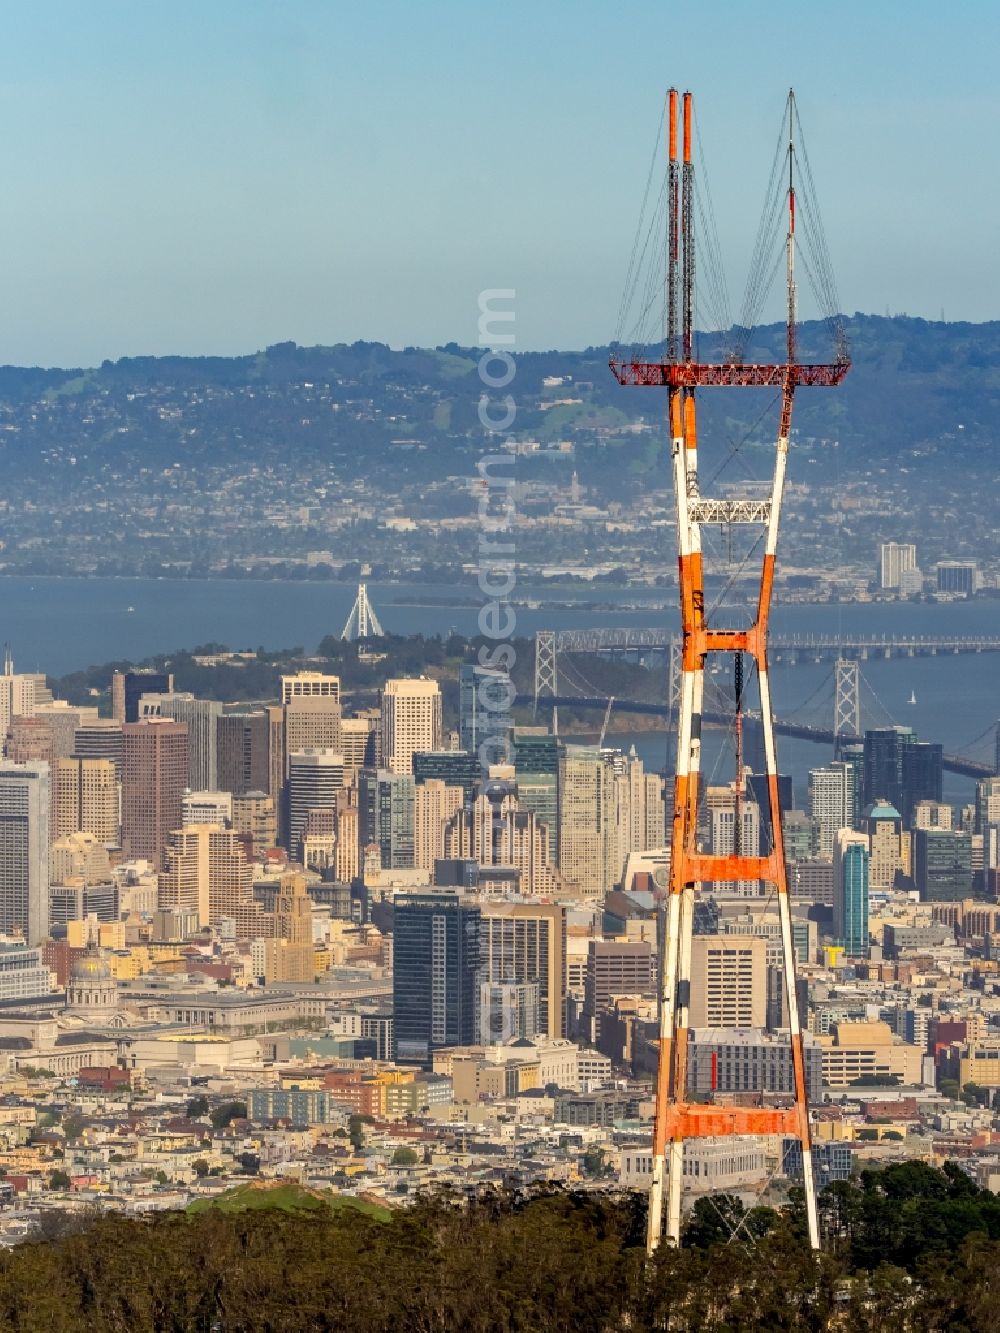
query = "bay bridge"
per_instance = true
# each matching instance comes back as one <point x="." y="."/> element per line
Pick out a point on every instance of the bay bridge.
<point x="550" y="685"/>
<point x="788" y="648"/>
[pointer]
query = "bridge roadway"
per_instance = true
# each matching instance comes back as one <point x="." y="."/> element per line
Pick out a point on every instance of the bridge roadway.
<point x="786" y="647"/>
<point x="951" y="763"/>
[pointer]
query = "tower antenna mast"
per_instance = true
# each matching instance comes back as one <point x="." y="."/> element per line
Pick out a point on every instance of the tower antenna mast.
<point x="676" y="1118"/>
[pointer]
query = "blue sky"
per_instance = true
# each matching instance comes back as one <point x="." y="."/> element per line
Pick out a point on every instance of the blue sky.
<point x="214" y="176"/>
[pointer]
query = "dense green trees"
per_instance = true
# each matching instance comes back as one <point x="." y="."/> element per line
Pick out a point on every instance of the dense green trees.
<point x="515" y="1263"/>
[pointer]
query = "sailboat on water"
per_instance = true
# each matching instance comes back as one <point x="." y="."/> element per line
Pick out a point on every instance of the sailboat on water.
<point x="913" y="697"/>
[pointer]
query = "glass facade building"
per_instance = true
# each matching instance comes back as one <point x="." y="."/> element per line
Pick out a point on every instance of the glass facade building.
<point x="436" y="973"/>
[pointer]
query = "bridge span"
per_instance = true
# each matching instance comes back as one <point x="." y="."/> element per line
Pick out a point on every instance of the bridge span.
<point x="789" y="648"/>
<point x="951" y="763"/>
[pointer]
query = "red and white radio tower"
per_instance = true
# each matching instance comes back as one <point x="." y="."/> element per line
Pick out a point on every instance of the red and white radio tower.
<point x="677" y="1119"/>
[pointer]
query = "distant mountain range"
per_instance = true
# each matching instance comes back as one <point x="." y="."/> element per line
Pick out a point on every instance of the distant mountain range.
<point x="922" y="395"/>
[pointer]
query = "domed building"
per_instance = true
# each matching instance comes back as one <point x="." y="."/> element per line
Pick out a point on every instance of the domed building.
<point x="92" y="991"/>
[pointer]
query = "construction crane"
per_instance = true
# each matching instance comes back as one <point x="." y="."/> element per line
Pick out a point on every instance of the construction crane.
<point x="676" y="1118"/>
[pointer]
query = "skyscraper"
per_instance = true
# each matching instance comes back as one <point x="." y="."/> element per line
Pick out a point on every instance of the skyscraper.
<point x="154" y="776"/>
<point x="728" y="981"/>
<point x="526" y="942"/>
<point x="436" y="967"/>
<point x="486" y="698"/>
<point x="536" y="765"/>
<point x="721" y="804"/>
<point x="100" y="738"/>
<point x="138" y="683"/>
<point x="942" y="865"/>
<point x="883" y="825"/>
<point x="895" y="559"/>
<point x="207" y="873"/>
<point x="314" y="778"/>
<point x="255" y="816"/>
<point x="434" y="803"/>
<point x="850" y="891"/>
<point x="201" y="716"/>
<point x="833" y="794"/>
<point x="386" y="815"/>
<point x="24" y="850"/>
<point x="242" y="751"/>
<point x="86" y="799"/>
<point x="411" y="720"/>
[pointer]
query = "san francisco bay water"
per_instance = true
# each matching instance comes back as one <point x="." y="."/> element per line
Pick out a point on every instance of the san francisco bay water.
<point x="58" y="625"/>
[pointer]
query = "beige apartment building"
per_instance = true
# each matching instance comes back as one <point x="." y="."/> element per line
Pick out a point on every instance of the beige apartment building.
<point x="411" y="721"/>
<point x="728" y="981"/>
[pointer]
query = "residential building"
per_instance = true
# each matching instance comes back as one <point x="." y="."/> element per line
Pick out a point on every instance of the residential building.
<point x="436" y="965"/>
<point x="24" y="850"/>
<point x="411" y="721"/>
<point x="850" y="891"/>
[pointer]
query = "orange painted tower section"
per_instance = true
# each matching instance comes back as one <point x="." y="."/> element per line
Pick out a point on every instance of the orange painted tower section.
<point x="677" y="1119"/>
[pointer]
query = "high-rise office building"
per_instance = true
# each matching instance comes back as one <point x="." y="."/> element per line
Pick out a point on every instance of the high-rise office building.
<point x="801" y="836"/>
<point x="486" y="698"/>
<point x="309" y="685"/>
<point x="411" y="720"/>
<point x="454" y="768"/>
<point x="207" y="807"/>
<point x="386" y="815"/>
<point x="100" y="738"/>
<point x="207" y="873"/>
<point x="526" y="943"/>
<point x="134" y="685"/>
<point x="987" y="801"/>
<point x="314" y="778"/>
<point x="154" y="776"/>
<point x="434" y="803"/>
<point x="895" y="559"/>
<point x="721" y="807"/>
<point x="289" y="954"/>
<point x="960" y="577"/>
<point x="942" y="865"/>
<point x="900" y="769"/>
<point x="357" y="743"/>
<point x="436" y="970"/>
<point x="593" y="817"/>
<point x="313" y="722"/>
<point x="884" y="827"/>
<point x="850" y="891"/>
<point x="728" y="981"/>
<point x="347" y="852"/>
<point x="254" y="816"/>
<point x="28" y="738"/>
<point x="17" y="694"/>
<point x="201" y="716"/>
<point x="508" y="1011"/>
<point x="86" y="799"/>
<point x="615" y="967"/>
<point x="833" y="801"/>
<point x="536" y="765"/>
<point x="242" y="751"/>
<point x="24" y="850"/>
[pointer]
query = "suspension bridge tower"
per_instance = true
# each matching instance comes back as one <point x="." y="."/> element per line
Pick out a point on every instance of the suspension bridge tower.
<point x="362" y="623"/>
<point x="677" y="1118"/>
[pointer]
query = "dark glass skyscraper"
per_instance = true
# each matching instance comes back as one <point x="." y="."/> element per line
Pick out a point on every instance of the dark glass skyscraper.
<point x="901" y="769"/>
<point x="436" y="965"/>
<point x="536" y="765"/>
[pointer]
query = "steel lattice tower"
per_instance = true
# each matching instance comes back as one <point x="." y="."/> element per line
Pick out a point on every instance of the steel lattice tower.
<point x="676" y="1118"/>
